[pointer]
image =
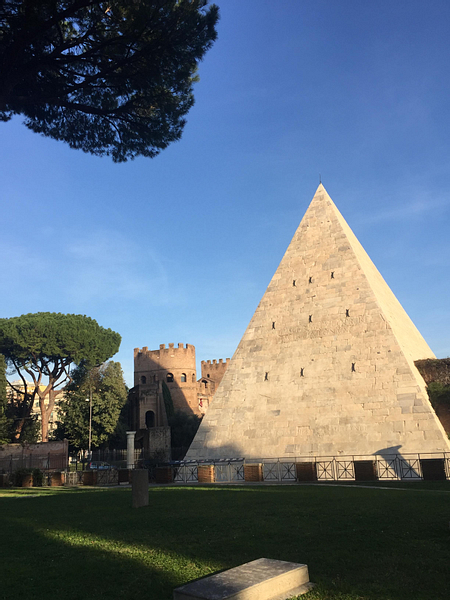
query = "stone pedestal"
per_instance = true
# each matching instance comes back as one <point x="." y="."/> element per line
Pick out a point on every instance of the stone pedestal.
<point x="306" y="471"/>
<point x="205" y="473"/>
<point x="365" y="470"/>
<point x="163" y="475"/>
<point x="123" y="475"/>
<point x="57" y="479"/>
<point x="89" y="477"/>
<point x="253" y="472"/>
<point x="139" y="488"/>
<point x="130" y="449"/>
<point x="433" y="469"/>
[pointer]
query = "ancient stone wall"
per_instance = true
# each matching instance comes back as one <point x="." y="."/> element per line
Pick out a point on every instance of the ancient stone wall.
<point x="46" y="455"/>
<point x="435" y="369"/>
<point x="157" y="443"/>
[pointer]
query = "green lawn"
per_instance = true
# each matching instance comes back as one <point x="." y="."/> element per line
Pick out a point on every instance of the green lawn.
<point x="359" y="543"/>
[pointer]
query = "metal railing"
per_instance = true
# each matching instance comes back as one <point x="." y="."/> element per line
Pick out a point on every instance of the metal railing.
<point x="44" y="462"/>
<point x="388" y="467"/>
<point x="115" y="458"/>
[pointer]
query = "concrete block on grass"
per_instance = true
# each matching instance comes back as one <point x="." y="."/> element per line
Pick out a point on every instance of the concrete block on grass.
<point x="139" y="488"/>
<point x="261" y="579"/>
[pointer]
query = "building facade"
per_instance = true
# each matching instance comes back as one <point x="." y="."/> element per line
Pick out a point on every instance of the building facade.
<point x="53" y="418"/>
<point x="171" y="369"/>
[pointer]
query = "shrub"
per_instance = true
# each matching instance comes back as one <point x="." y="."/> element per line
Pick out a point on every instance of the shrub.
<point x="19" y="475"/>
<point x="38" y="478"/>
<point x="438" y="393"/>
<point x="183" y="428"/>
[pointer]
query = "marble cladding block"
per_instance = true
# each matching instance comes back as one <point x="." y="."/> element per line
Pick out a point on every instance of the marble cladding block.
<point x="261" y="579"/>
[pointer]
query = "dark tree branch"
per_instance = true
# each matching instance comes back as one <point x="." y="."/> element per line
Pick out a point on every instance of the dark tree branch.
<point x="61" y="61"/>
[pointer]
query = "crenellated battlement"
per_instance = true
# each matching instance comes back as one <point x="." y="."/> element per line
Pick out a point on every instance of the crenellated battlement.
<point x="215" y="362"/>
<point x="177" y="361"/>
<point x="214" y="369"/>
<point x="180" y="349"/>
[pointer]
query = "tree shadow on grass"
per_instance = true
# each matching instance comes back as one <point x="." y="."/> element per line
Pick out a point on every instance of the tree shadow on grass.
<point x="57" y="549"/>
<point x="365" y="543"/>
<point x="357" y="543"/>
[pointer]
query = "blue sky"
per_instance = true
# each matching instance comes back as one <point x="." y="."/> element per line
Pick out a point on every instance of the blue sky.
<point x="181" y="248"/>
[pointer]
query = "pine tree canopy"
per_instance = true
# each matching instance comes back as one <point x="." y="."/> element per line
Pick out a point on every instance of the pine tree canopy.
<point x="40" y="341"/>
<point x="111" y="78"/>
<point x="43" y="346"/>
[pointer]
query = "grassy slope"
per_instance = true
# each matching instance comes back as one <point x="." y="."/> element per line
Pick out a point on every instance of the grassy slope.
<point x="358" y="543"/>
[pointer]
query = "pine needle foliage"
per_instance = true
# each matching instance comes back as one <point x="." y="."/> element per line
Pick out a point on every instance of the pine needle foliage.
<point x="111" y="78"/>
<point x="44" y="347"/>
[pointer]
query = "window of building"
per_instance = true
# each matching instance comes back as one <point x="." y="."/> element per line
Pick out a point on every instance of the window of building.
<point x="205" y="383"/>
<point x="143" y="379"/>
<point x="169" y="377"/>
<point x="183" y="377"/>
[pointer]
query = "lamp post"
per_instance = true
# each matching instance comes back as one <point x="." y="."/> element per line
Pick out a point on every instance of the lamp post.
<point x="90" y="420"/>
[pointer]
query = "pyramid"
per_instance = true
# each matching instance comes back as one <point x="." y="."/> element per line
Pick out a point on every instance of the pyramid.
<point x="326" y="365"/>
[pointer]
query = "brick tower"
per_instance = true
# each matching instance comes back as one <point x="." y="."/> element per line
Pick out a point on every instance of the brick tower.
<point x="176" y="367"/>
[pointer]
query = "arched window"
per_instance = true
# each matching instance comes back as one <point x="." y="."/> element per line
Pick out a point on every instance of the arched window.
<point x="149" y="419"/>
<point x="205" y="383"/>
<point x="193" y="377"/>
<point x="169" y="377"/>
<point x="143" y="379"/>
<point x="183" y="377"/>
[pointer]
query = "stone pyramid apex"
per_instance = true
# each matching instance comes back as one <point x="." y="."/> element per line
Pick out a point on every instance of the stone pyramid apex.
<point x="320" y="189"/>
<point x="326" y="365"/>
